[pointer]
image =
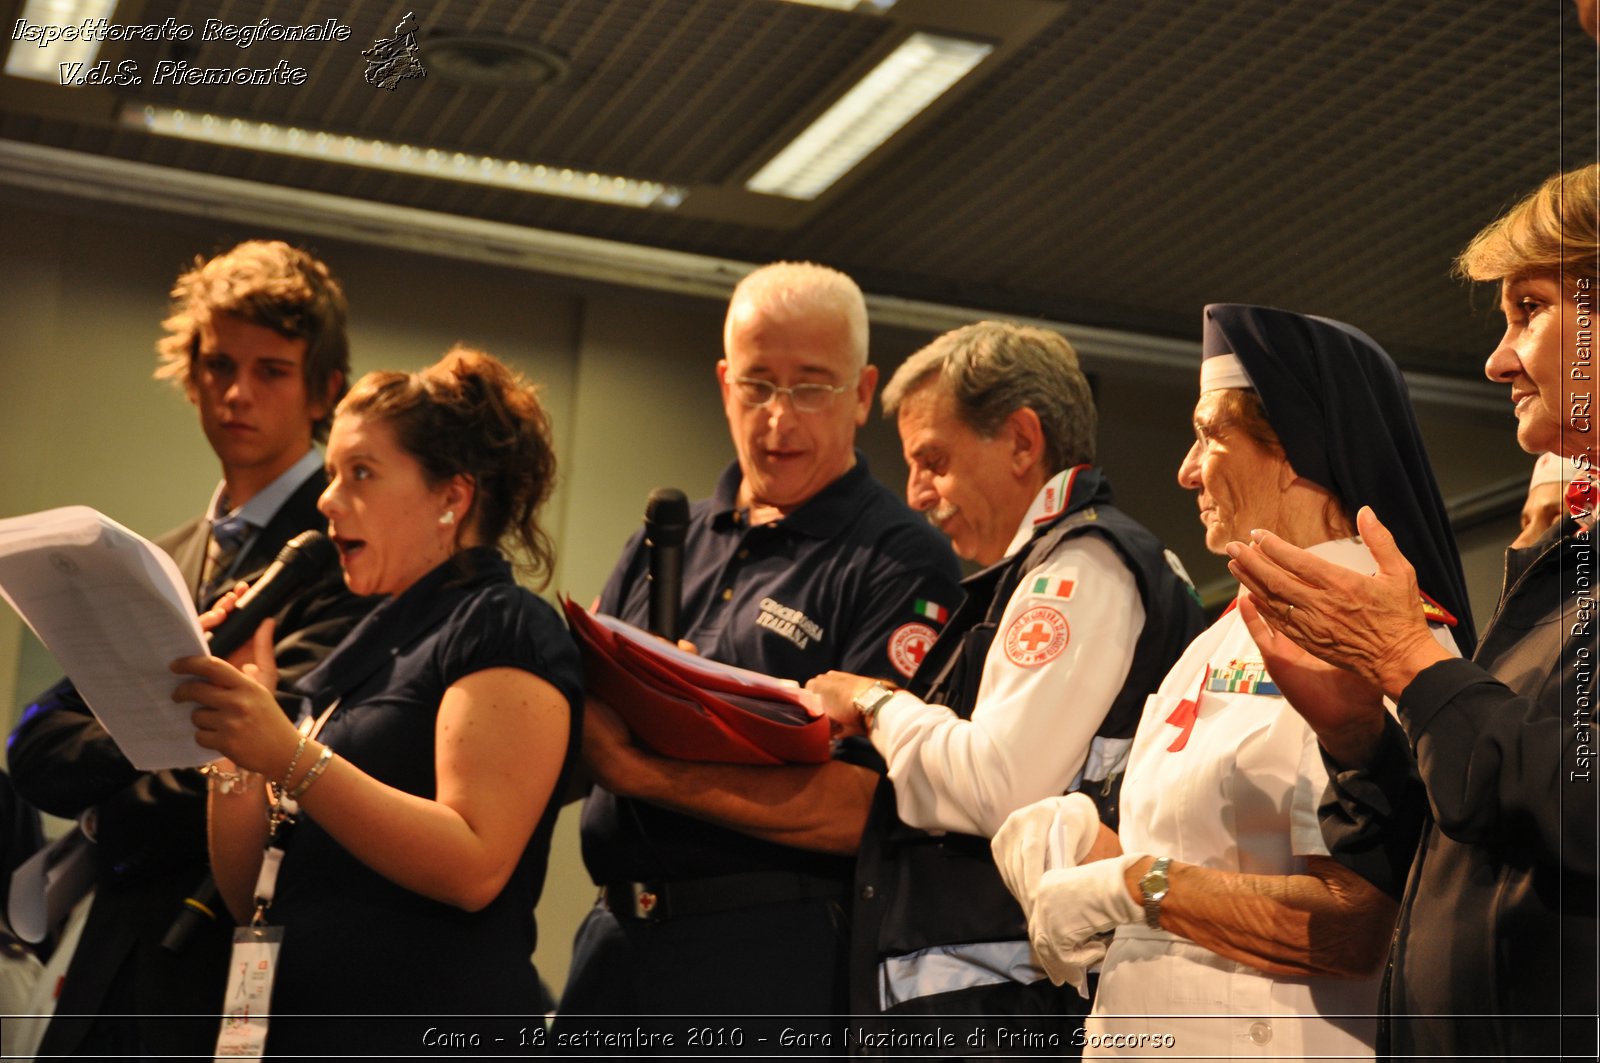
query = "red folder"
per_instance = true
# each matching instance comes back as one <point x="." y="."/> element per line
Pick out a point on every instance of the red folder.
<point x="689" y="708"/>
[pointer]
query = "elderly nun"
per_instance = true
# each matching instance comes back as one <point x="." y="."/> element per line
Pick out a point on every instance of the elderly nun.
<point x="1232" y="929"/>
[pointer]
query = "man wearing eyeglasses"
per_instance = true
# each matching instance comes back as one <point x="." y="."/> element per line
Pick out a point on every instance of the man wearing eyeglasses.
<point x="725" y="886"/>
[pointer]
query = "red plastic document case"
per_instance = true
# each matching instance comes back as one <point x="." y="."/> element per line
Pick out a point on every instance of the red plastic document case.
<point x="690" y="708"/>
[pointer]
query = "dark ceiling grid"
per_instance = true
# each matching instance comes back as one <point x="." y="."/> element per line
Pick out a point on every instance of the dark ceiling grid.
<point x="1154" y="230"/>
<point x="570" y="31"/>
<point x="780" y="69"/>
<point x="1131" y="161"/>
<point x="417" y="112"/>
<point x="1580" y="68"/>
<point x="497" y="115"/>
<point x="946" y="180"/>
<point x="717" y="119"/>
<point x="601" y="38"/>
<point x="423" y="111"/>
<point x="636" y="77"/>
<point x="1070" y="189"/>
<point x="725" y="123"/>
<point x="1060" y="158"/>
<point x="1403" y="228"/>
<point x="795" y="73"/>
<point x="461" y="117"/>
<point x="678" y="145"/>
<point x="1202" y="158"/>
<point x="651" y="87"/>
<point x="513" y="120"/>
<point x="1368" y="181"/>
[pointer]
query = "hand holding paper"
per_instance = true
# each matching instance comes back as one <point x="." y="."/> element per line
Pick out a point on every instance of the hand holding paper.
<point x="113" y="610"/>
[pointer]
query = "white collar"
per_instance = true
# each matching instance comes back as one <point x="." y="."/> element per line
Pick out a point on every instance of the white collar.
<point x="1048" y="504"/>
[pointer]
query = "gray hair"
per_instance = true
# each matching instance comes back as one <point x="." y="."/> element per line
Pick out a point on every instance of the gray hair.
<point x="805" y="287"/>
<point x="993" y="369"/>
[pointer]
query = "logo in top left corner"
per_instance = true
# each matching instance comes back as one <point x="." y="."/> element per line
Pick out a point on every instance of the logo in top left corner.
<point x="391" y="60"/>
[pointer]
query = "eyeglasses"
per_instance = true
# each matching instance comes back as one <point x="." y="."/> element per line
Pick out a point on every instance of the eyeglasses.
<point x="1205" y="434"/>
<point x="806" y="398"/>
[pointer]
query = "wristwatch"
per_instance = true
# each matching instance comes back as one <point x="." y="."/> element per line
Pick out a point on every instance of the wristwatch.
<point x="1154" y="886"/>
<point x="870" y="700"/>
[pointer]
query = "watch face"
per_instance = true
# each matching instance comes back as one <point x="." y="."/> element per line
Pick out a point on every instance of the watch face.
<point x="870" y="697"/>
<point x="1154" y="887"/>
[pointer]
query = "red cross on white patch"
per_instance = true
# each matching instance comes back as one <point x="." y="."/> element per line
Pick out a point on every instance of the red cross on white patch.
<point x="1037" y="637"/>
<point x="908" y="645"/>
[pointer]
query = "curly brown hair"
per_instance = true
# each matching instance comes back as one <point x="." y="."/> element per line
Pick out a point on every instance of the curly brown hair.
<point x="470" y="415"/>
<point x="266" y="283"/>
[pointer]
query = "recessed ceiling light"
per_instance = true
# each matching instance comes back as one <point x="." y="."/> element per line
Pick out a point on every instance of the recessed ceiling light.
<point x="492" y="62"/>
<point x="873" y="110"/>
<point x="50" y="36"/>
<point x="402" y="158"/>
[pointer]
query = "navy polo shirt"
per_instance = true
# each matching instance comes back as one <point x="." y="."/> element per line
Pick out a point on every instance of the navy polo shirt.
<point x="852" y="580"/>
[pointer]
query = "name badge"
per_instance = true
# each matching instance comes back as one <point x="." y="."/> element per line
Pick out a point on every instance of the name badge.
<point x="248" y="1002"/>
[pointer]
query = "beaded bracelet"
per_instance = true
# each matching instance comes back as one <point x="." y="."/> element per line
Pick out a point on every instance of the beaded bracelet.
<point x="293" y="761"/>
<point x="317" y="768"/>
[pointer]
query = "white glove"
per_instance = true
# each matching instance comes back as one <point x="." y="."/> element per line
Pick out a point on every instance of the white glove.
<point x="1072" y="966"/>
<point x="1055" y="832"/>
<point x="1074" y="905"/>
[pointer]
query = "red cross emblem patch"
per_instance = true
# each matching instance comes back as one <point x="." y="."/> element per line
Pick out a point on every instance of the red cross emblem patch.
<point x="908" y="645"/>
<point x="1037" y="637"/>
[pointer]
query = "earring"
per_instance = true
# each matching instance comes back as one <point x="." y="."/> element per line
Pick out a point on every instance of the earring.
<point x="448" y="518"/>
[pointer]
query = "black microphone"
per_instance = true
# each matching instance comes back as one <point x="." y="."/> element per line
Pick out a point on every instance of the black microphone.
<point x="199" y="909"/>
<point x="301" y="562"/>
<point x="666" y="520"/>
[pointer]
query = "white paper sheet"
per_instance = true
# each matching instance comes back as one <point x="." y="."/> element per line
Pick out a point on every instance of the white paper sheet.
<point x="755" y="682"/>
<point x="111" y="606"/>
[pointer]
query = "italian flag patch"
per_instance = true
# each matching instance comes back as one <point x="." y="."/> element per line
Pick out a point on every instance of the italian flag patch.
<point x="1053" y="587"/>
<point x="932" y="610"/>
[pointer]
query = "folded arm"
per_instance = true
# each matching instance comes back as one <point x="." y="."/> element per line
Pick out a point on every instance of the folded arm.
<point x="822" y="807"/>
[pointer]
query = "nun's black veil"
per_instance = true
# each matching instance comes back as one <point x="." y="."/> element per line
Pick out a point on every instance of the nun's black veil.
<point x="1341" y="409"/>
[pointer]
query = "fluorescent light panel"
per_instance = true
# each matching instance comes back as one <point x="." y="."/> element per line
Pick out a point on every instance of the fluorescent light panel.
<point x="402" y="158"/>
<point x="42" y="62"/>
<point x="879" y="6"/>
<point x="873" y="110"/>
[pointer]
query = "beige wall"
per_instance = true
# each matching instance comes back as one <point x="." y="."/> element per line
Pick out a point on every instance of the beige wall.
<point x="628" y="381"/>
